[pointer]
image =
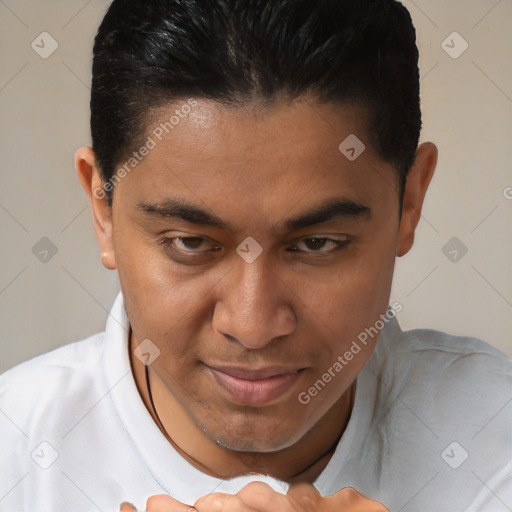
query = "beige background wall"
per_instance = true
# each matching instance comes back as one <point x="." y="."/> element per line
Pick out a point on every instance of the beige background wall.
<point x="467" y="104"/>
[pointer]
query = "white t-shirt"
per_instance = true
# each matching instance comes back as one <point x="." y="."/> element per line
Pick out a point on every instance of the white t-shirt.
<point x="431" y="430"/>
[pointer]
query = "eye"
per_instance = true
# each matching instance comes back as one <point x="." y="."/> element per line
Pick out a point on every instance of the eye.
<point x="189" y="244"/>
<point x="320" y="245"/>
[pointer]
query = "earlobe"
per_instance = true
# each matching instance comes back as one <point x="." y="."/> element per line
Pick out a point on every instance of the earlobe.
<point x="90" y="178"/>
<point x="416" y="187"/>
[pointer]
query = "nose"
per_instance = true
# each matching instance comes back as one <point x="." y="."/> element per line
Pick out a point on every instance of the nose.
<point x="254" y="306"/>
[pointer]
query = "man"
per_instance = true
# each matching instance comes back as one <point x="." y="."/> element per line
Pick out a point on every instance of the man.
<point x="254" y="174"/>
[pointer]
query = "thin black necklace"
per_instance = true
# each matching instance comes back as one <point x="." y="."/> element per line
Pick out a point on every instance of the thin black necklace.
<point x="330" y="450"/>
<point x="162" y="428"/>
<point x="148" y="386"/>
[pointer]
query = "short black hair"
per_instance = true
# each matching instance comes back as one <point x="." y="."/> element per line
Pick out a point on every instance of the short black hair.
<point x="150" y="53"/>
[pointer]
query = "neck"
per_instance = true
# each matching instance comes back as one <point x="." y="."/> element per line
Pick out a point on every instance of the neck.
<point x="302" y="462"/>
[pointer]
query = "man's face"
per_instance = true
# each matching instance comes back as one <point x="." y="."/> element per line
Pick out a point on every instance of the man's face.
<point x="240" y="340"/>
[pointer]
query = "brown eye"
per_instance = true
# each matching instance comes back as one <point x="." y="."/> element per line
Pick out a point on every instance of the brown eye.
<point x="190" y="243"/>
<point x="315" y="244"/>
<point x="318" y="244"/>
<point x="190" y="250"/>
<point x="193" y="245"/>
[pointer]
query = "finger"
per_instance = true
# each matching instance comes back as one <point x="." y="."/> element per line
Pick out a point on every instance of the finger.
<point x="305" y="496"/>
<point x="162" y="503"/>
<point x="350" y="499"/>
<point x="261" y="497"/>
<point x="219" y="502"/>
<point x="255" y="497"/>
<point x="127" y="507"/>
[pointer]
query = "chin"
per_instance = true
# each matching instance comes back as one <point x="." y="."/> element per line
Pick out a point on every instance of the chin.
<point x="253" y="441"/>
<point x="251" y="445"/>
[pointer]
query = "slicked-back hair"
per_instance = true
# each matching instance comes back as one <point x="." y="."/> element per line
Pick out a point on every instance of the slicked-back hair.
<point x="151" y="53"/>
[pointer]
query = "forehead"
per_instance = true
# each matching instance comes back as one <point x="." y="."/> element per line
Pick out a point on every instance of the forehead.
<point x="300" y="129"/>
<point x="263" y="159"/>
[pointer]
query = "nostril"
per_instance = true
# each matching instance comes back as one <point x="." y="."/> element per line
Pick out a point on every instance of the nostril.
<point x="229" y="336"/>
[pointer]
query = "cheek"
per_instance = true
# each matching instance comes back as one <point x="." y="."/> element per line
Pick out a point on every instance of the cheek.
<point x="349" y="309"/>
<point x="354" y="293"/>
<point x="162" y="303"/>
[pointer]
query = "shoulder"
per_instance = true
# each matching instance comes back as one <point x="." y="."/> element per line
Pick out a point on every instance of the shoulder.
<point x="459" y="365"/>
<point x="40" y="381"/>
<point x="436" y="352"/>
<point x="448" y="379"/>
<point x="441" y="400"/>
<point x="450" y="355"/>
<point x="76" y="356"/>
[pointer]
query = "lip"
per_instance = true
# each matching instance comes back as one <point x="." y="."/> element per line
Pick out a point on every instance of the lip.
<point x="255" y="387"/>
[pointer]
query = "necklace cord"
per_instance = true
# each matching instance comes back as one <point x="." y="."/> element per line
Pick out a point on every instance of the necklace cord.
<point x="332" y="449"/>
<point x="148" y="386"/>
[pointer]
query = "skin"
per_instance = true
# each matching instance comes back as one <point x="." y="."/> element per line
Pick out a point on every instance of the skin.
<point x="299" y="305"/>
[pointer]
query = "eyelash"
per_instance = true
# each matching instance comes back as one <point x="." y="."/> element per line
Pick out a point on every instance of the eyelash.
<point x="338" y="245"/>
<point x="170" y="244"/>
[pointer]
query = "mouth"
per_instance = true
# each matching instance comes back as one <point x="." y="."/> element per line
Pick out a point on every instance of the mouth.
<point x="255" y="387"/>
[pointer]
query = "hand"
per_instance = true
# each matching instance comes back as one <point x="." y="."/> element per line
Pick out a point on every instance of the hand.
<point x="159" y="503"/>
<point x="259" y="497"/>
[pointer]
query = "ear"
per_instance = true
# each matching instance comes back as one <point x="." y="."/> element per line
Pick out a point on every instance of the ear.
<point x="90" y="178"/>
<point x="417" y="183"/>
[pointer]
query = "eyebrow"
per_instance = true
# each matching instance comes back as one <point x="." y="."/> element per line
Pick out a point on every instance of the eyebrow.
<point x="343" y="209"/>
<point x="177" y="209"/>
<point x="334" y="209"/>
